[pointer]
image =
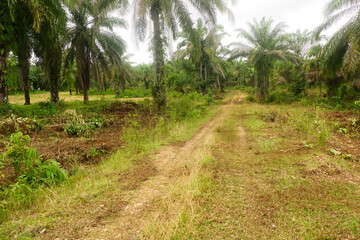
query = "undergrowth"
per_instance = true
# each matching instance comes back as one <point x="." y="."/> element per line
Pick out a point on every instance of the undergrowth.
<point x="31" y="174"/>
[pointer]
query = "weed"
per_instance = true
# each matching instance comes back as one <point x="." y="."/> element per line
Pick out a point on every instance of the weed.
<point x="132" y="135"/>
<point x="134" y="93"/>
<point x="98" y="122"/>
<point x="281" y="97"/>
<point x="194" y="96"/>
<point x="15" y="124"/>
<point x="93" y="152"/>
<point x="22" y="158"/>
<point x="210" y="98"/>
<point x="31" y="173"/>
<point x="78" y="127"/>
<point x="247" y="89"/>
<point x="250" y="98"/>
<point x="267" y="144"/>
<point x="323" y="132"/>
<point x="183" y="108"/>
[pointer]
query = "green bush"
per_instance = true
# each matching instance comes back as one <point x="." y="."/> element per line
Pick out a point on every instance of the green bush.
<point x="5" y="109"/>
<point x="194" y="96"/>
<point x="31" y="173"/>
<point x="247" y="89"/>
<point x="280" y="97"/>
<point x="251" y="98"/>
<point x="22" y="158"/>
<point x="15" y="124"/>
<point x="298" y="86"/>
<point x="182" y="108"/>
<point x="336" y="103"/>
<point x="209" y="98"/>
<point x="41" y="109"/>
<point x="134" y="93"/>
<point x="78" y="127"/>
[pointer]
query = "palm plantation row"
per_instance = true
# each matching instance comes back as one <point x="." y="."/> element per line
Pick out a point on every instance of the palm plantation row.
<point x="75" y="41"/>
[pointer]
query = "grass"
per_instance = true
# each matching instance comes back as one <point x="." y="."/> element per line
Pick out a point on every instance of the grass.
<point x="269" y="187"/>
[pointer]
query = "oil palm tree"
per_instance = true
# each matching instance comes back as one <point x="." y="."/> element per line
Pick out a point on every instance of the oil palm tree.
<point x="169" y="16"/>
<point x="266" y="45"/>
<point x="19" y="19"/>
<point x="23" y="35"/>
<point x="202" y="47"/>
<point x="8" y="11"/>
<point x="342" y="51"/>
<point x="90" y="44"/>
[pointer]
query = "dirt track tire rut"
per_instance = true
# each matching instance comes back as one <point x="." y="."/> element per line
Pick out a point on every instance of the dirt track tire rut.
<point x="172" y="163"/>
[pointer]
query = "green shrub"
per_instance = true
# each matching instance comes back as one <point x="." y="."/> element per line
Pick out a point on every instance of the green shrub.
<point x="298" y="86"/>
<point x="22" y="158"/>
<point x="98" y="122"/>
<point x="15" y="124"/>
<point x="5" y="109"/>
<point x="247" y="89"/>
<point x="182" y="108"/>
<point x="194" y="96"/>
<point x="251" y="98"/>
<point x="344" y="91"/>
<point x="41" y="109"/>
<point x="78" y="127"/>
<point x="335" y="103"/>
<point x="278" y="97"/>
<point x="134" y="93"/>
<point x="210" y="98"/>
<point x="31" y="173"/>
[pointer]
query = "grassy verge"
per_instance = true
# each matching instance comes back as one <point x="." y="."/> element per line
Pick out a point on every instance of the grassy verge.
<point x="95" y="192"/>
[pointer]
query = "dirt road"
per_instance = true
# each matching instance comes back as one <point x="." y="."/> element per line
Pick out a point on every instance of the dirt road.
<point x="159" y="201"/>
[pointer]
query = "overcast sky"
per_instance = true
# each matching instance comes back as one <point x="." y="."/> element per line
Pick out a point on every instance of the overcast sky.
<point x="297" y="14"/>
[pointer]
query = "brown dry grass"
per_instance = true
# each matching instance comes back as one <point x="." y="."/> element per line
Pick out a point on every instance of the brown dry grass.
<point x="40" y="97"/>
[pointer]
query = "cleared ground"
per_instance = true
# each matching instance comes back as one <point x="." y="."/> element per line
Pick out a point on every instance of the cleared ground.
<point x="40" y="97"/>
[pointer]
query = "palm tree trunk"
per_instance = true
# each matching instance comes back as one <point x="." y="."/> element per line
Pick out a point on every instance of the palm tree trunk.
<point x="77" y="86"/>
<point x="86" y="95"/>
<point x="256" y="84"/>
<point x="159" y="91"/>
<point x="215" y="89"/>
<point x="24" y="70"/>
<point x="3" y="68"/>
<point x="54" y="75"/>
<point x="86" y="75"/>
<point x="221" y="85"/>
<point x="263" y="87"/>
<point x="205" y="79"/>
<point x="25" y="79"/>
<point x="53" y="69"/>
